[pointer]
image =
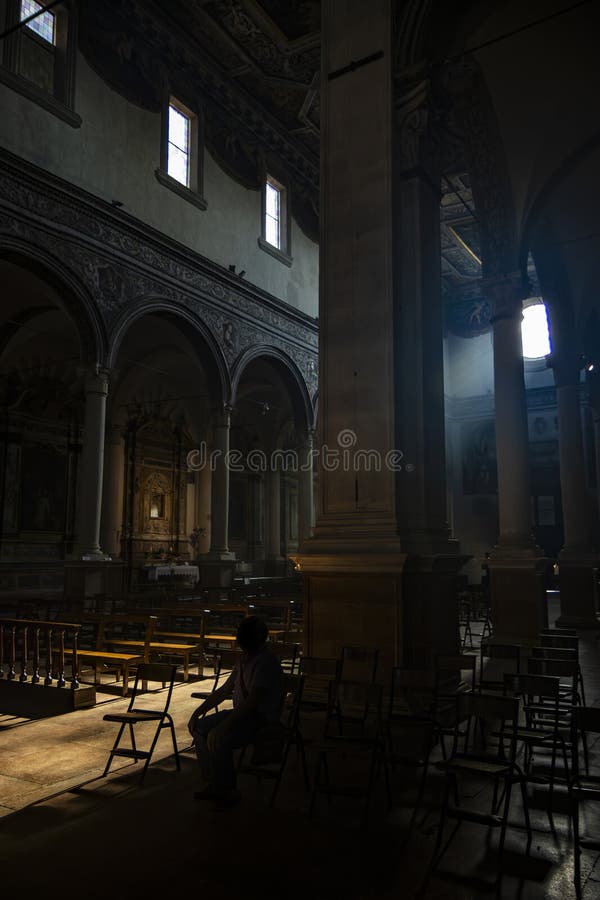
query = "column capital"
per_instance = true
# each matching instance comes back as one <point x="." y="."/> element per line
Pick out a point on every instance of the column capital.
<point x="95" y="379"/>
<point x="505" y="294"/>
<point x="566" y="368"/>
<point x="221" y="416"/>
<point x="307" y="439"/>
<point x="417" y="145"/>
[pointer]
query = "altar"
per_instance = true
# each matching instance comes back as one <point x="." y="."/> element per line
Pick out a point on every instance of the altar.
<point x="181" y="572"/>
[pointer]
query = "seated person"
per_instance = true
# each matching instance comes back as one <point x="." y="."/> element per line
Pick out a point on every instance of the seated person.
<point x="256" y="687"/>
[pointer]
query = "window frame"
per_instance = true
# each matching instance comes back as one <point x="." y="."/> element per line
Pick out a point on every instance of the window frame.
<point x="194" y="193"/>
<point x="282" y="253"/>
<point x="61" y="101"/>
<point x="30" y="25"/>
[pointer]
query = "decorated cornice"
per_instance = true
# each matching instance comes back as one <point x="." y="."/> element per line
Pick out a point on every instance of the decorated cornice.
<point x="124" y="264"/>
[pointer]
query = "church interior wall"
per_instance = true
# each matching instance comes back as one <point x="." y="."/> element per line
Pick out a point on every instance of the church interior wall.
<point x="114" y="155"/>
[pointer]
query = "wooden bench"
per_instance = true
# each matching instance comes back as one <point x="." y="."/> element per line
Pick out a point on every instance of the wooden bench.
<point x="154" y="645"/>
<point x="121" y="661"/>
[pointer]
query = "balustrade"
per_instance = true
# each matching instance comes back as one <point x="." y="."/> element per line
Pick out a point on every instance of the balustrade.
<point x="31" y="644"/>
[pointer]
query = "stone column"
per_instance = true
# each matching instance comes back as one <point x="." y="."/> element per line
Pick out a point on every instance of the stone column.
<point x="203" y="507"/>
<point x="112" y="503"/>
<point x="273" y="536"/>
<point x="219" y="538"/>
<point x="518" y="596"/>
<point x="256" y="544"/>
<point x="218" y="564"/>
<point x="305" y="489"/>
<point x="577" y="565"/>
<point x="429" y="584"/>
<point x="353" y="562"/>
<point x="191" y="480"/>
<point x="92" y="463"/>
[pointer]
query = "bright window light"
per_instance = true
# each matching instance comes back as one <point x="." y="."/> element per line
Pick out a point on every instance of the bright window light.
<point x="273" y="214"/>
<point x="43" y="25"/>
<point x="178" y="162"/>
<point x="534" y="332"/>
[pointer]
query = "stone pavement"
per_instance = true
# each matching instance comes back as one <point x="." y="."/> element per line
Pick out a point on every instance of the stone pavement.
<point x="113" y="838"/>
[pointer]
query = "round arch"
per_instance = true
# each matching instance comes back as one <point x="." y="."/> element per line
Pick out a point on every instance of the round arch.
<point x="292" y="378"/>
<point x="212" y="360"/>
<point x="73" y="296"/>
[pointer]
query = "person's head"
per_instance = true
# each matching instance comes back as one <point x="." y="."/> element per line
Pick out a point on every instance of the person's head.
<point x="252" y="634"/>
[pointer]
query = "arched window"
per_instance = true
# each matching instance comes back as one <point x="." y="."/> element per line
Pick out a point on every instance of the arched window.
<point x="535" y="333"/>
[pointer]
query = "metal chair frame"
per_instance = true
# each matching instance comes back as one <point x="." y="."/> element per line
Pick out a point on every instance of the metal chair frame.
<point x="366" y="699"/>
<point x="585" y="720"/>
<point x="495" y="767"/>
<point x="134" y="715"/>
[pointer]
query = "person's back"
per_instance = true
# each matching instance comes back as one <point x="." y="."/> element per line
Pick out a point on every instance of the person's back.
<point x="260" y="672"/>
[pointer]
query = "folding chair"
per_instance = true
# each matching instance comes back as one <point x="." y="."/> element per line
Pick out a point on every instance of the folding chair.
<point x="272" y="743"/>
<point x="359" y="664"/>
<point x="317" y="672"/>
<point x="566" y="671"/>
<point x="563" y="653"/>
<point x="288" y="654"/>
<point x="565" y="642"/>
<point x="468" y="616"/>
<point x="449" y="668"/>
<point x="224" y="661"/>
<point x="541" y="699"/>
<point x="146" y="672"/>
<point x="359" y="702"/>
<point x="449" y="683"/>
<point x="585" y="720"/>
<point x="411" y="727"/>
<point x="508" y="653"/>
<point x="496" y="765"/>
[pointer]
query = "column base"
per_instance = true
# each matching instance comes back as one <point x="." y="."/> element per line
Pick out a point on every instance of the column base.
<point x="81" y="555"/>
<point x="430" y="608"/>
<point x="578" y="584"/>
<point x="356" y="600"/>
<point x="518" y="596"/>
<point x="216" y="573"/>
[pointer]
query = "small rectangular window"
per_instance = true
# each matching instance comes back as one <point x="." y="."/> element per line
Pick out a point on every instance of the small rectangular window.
<point x="275" y="220"/>
<point x="273" y="214"/>
<point x="178" y="158"/>
<point x="181" y="150"/>
<point x="43" y="25"/>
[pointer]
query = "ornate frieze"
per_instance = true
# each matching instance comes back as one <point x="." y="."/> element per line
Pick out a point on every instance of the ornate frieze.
<point x="125" y="264"/>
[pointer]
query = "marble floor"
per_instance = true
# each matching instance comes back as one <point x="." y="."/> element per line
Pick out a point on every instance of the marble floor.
<point x="66" y="830"/>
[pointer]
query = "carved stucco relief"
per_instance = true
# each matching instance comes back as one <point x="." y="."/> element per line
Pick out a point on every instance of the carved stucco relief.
<point x="122" y="270"/>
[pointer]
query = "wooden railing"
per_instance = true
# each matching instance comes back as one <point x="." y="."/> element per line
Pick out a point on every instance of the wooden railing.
<point x="28" y="646"/>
